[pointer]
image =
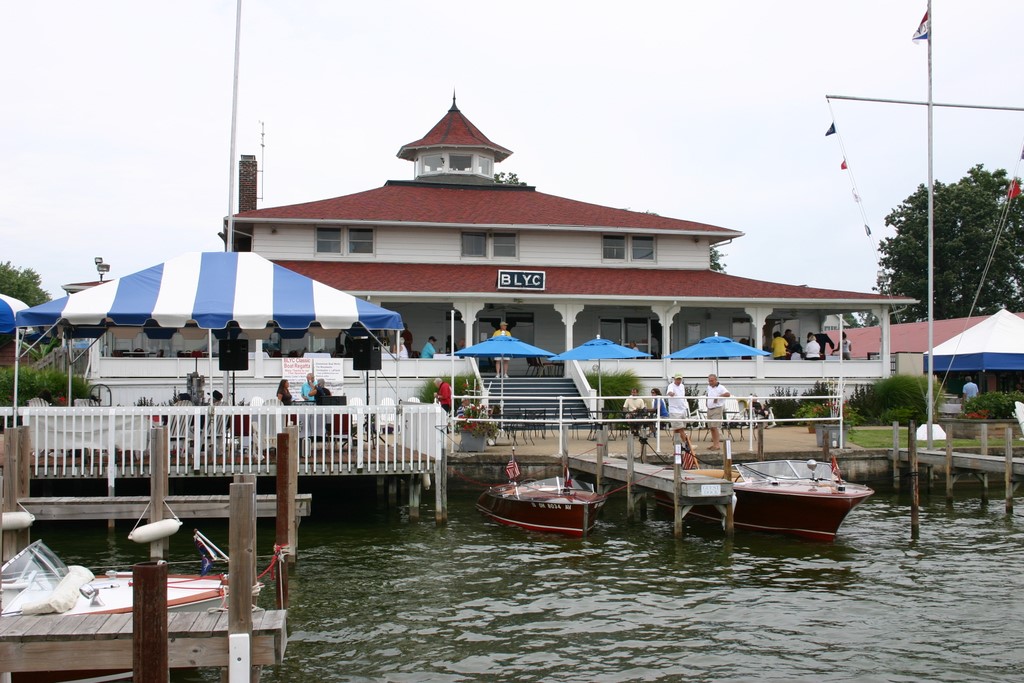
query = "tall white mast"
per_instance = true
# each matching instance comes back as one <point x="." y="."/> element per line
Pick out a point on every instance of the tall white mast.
<point x="931" y="243"/>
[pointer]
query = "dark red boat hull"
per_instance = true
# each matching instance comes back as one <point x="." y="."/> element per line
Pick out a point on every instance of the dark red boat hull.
<point x="571" y="513"/>
<point x="814" y="512"/>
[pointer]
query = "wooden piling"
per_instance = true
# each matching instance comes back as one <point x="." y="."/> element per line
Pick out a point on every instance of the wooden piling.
<point x="1008" y="476"/>
<point x="760" y="442"/>
<point x="241" y="572"/>
<point x="286" y="525"/>
<point x="677" y="493"/>
<point x="727" y="471"/>
<point x="984" y="438"/>
<point x="15" y="482"/>
<point x="415" y="492"/>
<point x="630" y="476"/>
<point x="149" y="622"/>
<point x="441" y="489"/>
<point x="602" y="449"/>
<point x="949" y="468"/>
<point x="158" y="486"/>
<point x="915" y="496"/>
<point x="896" y="455"/>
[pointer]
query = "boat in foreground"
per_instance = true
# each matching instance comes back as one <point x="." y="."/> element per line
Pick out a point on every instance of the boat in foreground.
<point x="794" y="497"/>
<point x="36" y="581"/>
<point x="557" y="505"/>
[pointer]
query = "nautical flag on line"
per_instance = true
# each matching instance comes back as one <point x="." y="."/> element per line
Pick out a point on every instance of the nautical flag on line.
<point x="835" y="469"/>
<point x="1014" y="189"/>
<point x="831" y="129"/>
<point x="842" y="166"/>
<point x="867" y="230"/>
<point x="923" y="30"/>
<point x="512" y="469"/>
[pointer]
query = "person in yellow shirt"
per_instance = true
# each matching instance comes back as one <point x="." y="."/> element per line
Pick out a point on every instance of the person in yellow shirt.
<point x="501" y="364"/>
<point x="779" y="346"/>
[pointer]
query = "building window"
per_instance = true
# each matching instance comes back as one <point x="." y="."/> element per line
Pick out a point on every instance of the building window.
<point x="360" y="241"/>
<point x="504" y="245"/>
<point x="433" y="163"/>
<point x="643" y="248"/>
<point x="615" y="247"/>
<point x="460" y="163"/>
<point x="486" y="167"/>
<point x="328" y="240"/>
<point x="635" y="247"/>
<point x="474" y="244"/>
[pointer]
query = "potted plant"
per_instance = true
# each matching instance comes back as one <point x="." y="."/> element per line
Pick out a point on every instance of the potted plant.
<point x="812" y="412"/>
<point x="475" y="428"/>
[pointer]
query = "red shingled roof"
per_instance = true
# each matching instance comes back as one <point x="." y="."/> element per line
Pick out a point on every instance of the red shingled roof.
<point x="444" y="278"/>
<point x="498" y="205"/>
<point x="454" y="130"/>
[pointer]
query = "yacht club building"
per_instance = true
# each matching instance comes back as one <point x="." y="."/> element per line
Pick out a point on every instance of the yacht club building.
<point x="456" y="253"/>
<point x="559" y="271"/>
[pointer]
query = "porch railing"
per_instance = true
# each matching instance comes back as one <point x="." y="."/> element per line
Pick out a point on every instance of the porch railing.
<point x="88" y="442"/>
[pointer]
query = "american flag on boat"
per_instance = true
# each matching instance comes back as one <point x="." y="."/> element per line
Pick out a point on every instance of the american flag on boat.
<point x="835" y="469"/>
<point x="512" y="469"/>
<point x="689" y="459"/>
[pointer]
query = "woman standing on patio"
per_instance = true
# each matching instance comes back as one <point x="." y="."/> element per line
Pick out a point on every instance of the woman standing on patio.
<point x="284" y="394"/>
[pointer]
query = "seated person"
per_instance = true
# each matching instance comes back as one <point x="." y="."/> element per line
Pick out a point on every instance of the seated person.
<point x="321" y="391"/>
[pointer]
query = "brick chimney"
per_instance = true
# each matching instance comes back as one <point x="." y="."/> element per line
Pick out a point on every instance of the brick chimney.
<point x="247" y="183"/>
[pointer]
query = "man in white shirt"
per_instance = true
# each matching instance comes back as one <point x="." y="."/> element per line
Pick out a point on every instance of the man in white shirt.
<point x="678" y="408"/>
<point x="716" y="408"/>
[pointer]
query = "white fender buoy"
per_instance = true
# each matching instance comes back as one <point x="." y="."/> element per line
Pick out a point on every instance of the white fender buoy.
<point x="147" y="533"/>
<point x="16" y="521"/>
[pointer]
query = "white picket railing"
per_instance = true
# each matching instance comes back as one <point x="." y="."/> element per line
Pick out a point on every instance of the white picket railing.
<point x="96" y="442"/>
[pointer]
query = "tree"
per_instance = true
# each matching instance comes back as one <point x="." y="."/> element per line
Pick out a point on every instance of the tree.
<point x="22" y="284"/>
<point x="967" y="223"/>
<point x="717" y="264"/>
<point x="507" y="179"/>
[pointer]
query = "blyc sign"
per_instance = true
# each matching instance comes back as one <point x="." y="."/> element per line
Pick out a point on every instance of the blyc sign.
<point x="520" y="279"/>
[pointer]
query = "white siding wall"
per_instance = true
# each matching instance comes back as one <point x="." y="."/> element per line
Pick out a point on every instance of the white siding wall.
<point x="430" y="245"/>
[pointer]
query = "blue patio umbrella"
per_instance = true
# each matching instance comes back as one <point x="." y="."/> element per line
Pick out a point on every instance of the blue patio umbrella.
<point x="503" y="347"/>
<point x="600" y="349"/>
<point x="717" y="347"/>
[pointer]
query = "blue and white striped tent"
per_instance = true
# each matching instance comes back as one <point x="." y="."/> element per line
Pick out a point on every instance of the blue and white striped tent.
<point x="9" y="306"/>
<point x="211" y="291"/>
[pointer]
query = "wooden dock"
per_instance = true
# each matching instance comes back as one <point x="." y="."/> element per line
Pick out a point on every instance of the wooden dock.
<point x="685" y="487"/>
<point x="104" y="641"/>
<point x="695" y="489"/>
<point x="65" y="508"/>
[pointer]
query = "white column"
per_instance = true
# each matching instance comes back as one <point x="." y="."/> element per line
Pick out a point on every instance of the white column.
<point x="469" y="309"/>
<point x="758" y="315"/>
<point x="885" y="349"/>
<point x="569" y="313"/>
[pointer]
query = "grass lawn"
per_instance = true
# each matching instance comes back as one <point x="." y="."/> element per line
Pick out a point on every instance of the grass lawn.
<point x="881" y="437"/>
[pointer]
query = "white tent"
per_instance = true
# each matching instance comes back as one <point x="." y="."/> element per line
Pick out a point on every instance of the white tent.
<point x="996" y="343"/>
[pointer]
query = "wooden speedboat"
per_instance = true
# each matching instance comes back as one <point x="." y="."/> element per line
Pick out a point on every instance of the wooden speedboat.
<point x="556" y="505"/>
<point x="36" y="581"/>
<point x="793" y="497"/>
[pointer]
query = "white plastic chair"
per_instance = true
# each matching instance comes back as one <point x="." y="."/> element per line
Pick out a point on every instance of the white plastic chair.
<point x="37" y="403"/>
<point x="257" y="401"/>
<point x="388" y="419"/>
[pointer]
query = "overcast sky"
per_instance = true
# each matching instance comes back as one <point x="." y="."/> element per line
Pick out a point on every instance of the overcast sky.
<point x="115" y="117"/>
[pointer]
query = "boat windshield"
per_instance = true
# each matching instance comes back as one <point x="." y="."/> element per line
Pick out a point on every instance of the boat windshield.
<point x="35" y="571"/>
<point x="784" y="469"/>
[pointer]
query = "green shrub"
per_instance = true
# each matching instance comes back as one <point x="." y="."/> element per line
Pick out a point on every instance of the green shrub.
<point x="32" y="382"/>
<point x="614" y="384"/>
<point x="902" y="392"/>
<point x="997" y="404"/>
<point x="783" y="407"/>
<point x="464" y="384"/>
<point x="864" y="401"/>
<point x="903" y="415"/>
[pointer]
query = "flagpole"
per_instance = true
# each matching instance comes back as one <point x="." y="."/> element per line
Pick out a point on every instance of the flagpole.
<point x="931" y="243"/>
